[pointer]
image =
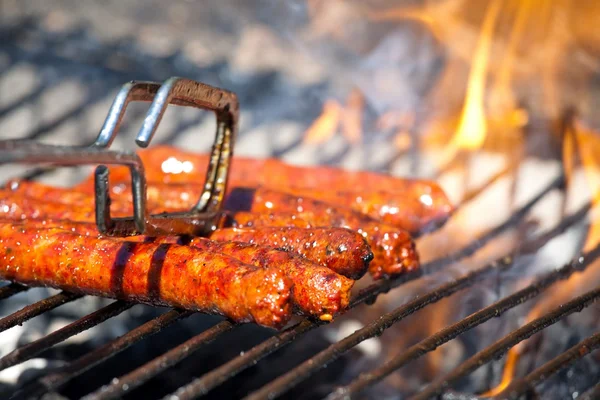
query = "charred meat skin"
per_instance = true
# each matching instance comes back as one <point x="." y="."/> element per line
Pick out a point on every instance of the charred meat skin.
<point x="161" y="274"/>
<point x="315" y="291"/>
<point x="412" y="204"/>
<point x="393" y="249"/>
<point x="341" y="250"/>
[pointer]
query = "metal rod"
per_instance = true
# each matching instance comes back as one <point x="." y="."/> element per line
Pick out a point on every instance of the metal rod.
<point x="119" y="387"/>
<point x="474" y="193"/>
<point x="64" y="374"/>
<point x="499" y="348"/>
<point x="518" y="387"/>
<point x="217" y="376"/>
<point x="287" y="381"/>
<point x="34" y="348"/>
<point x="434" y="341"/>
<point x="35" y="309"/>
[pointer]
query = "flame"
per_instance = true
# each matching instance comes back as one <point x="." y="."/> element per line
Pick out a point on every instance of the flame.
<point x="472" y="128"/>
<point x="587" y="143"/>
<point x="334" y="115"/>
<point x="325" y="126"/>
<point x="579" y="142"/>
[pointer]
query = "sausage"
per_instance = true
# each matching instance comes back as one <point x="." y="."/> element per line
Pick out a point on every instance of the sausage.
<point x="19" y="207"/>
<point x="339" y="249"/>
<point x="316" y="290"/>
<point x="412" y="204"/>
<point x="416" y="206"/>
<point x="160" y="274"/>
<point x="393" y="249"/>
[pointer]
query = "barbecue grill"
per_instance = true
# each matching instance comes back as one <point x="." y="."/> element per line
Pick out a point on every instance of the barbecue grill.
<point x="49" y="54"/>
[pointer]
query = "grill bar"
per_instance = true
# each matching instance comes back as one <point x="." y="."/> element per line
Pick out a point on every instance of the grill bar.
<point x="62" y="375"/>
<point x="298" y="374"/>
<point x="205" y="383"/>
<point x="9" y="290"/>
<point x="33" y="310"/>
<point x="474" y="193"/>
<point x="499" y="348"/>
<point x="434" y="341"/>
<point x="307" y="368"/>
<point x="34" y="348"/>
<point x="566" y="359"/>
<point x="149" y="370"/>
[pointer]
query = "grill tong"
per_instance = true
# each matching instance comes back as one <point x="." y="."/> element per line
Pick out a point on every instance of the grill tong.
<point x="203" y="217"/>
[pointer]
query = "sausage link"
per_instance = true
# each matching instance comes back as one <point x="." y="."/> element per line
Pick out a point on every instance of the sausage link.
<point x="393" y="249"/>
<point x="412" y="204"/>
<point x="161" y="274"/>
<point x="315" y="291"/>
<point x="341" y="250"/>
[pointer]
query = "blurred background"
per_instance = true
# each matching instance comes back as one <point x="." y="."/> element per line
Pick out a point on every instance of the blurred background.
<point x="355" y="83"/>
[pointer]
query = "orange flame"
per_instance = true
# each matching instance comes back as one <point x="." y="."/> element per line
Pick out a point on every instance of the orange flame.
<point x="334" y="115"/>
<point x="325" y="126"/>
<point x="587" y="144"/>
<point x="472" y="128"/>
<point x="581" y="142"/>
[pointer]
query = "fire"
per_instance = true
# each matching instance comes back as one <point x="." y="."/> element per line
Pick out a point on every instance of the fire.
<point x="324" y="127"/>
<point x="583" y="143"/>
<point x="587" y="144"/>
<point x="334" y="116"/>
<point x="472" y="127"/>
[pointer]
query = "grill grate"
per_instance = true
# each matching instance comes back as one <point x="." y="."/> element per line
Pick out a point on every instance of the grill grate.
<point x="153" y="68"/>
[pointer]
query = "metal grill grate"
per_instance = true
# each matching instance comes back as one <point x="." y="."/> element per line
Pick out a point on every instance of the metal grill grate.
<point x="107" y="78"/>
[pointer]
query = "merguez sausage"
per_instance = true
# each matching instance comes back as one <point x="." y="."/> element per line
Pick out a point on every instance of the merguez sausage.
<point x="161" y="274"/>
<point x="341" y="250"/>
<point x="316" y="290"/>
<point x="393" y="249"/>
<point x="411" y="204"/>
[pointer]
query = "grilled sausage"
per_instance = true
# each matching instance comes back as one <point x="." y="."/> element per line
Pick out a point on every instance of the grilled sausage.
<point x="393" y="249"/>
<point x="19" y="207"/>
<point x="316" y="290"/>
<point x="341" y="250"/>
<point x="162" y="274"/>
<point x="411" y="204"/>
